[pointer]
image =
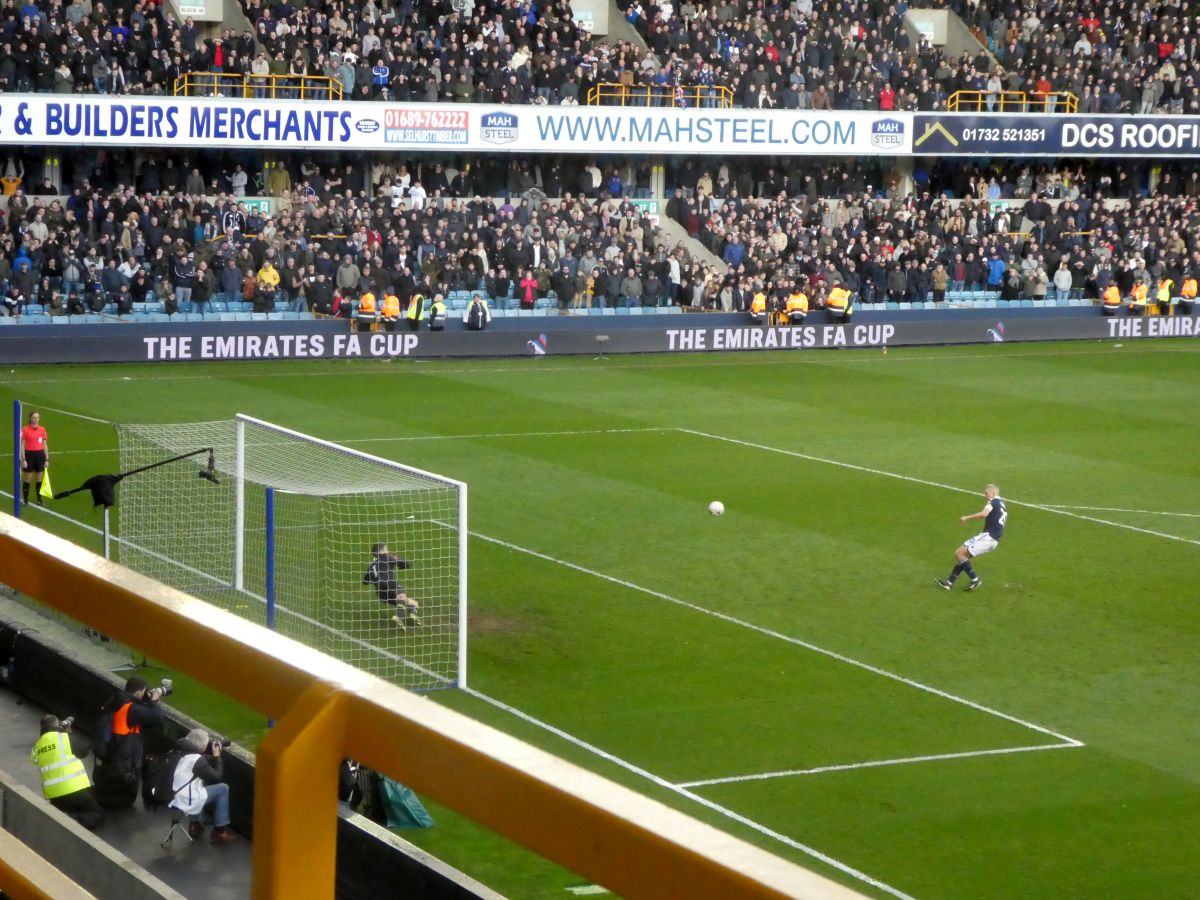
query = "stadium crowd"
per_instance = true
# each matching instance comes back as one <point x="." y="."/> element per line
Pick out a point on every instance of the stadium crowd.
<point x="821" y="54"/>
<point x="181" y="237"/>
<point x="802" y="54"/>
<point x="1021" y="231"/>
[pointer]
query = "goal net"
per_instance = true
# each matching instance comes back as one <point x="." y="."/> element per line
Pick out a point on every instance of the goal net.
<point x="284" y="532"/>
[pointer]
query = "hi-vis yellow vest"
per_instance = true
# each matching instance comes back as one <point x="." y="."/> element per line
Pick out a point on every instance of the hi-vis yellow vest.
<point x="1164" y="290"/>
<point x="797" y="302"/>
<point x="838" y="299"/>
<point x="416" y="308"/>
<point x="62" y="772"/>
<point x="1139" y="294"/>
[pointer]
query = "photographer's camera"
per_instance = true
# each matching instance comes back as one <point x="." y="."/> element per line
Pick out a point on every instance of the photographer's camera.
<point x="221" y="742"/>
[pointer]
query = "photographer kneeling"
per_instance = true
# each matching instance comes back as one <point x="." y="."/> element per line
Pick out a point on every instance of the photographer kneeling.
<point x="199" y="792"/>
<point x="64" y="779"/>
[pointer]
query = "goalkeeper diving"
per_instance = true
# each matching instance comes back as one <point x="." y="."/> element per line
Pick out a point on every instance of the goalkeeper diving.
<point x="382" y="574"/>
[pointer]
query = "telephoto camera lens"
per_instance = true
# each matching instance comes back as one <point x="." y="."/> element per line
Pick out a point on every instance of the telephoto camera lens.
<point x="217" y="741"/>
<point x="167" y="686"/>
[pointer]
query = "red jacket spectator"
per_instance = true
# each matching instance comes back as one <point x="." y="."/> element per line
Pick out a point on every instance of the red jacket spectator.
<point x="528" y="291"/>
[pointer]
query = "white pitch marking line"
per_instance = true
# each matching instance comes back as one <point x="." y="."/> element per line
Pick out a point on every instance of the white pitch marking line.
<point x="507" y="434"/>
<point x="1147" y="512"/>
<point x="454" y="437"/>
<point x="725" y="617"/>
<point x="690" y="795"/>
<point x="948" y="487"/>
<point x="875" y="764"/>
<point x="34" y="407"/>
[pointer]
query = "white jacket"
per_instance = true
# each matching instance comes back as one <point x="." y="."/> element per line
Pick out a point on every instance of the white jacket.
<point x="191" y="799"/>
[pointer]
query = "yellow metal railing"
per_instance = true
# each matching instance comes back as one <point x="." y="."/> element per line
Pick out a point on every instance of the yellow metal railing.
<point x="691" y="95"/>
<point x="1013" y="101"/>
<point x="262" y="87"/>
<point x="24" y="874"/>
<point x="327" y="710"/>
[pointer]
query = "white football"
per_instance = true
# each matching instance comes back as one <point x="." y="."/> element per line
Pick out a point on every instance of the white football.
<point x="716" y="508"/>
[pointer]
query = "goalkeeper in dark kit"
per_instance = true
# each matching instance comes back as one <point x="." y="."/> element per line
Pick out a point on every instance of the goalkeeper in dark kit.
<point x="382" y="574"/>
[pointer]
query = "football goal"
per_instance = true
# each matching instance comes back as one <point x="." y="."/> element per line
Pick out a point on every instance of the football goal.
<point x="282" y="528"/>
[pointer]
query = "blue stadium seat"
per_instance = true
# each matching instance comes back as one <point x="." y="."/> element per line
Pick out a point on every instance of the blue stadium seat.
<point x="891" y="305"/>
<point x="7" y="320"/>
<point x="34" y="309"/>
<point x="243" y="317"/>
<point x="608" y="311"/>
<point x="217" y="306"/>
<point x="524" y="313"/>
<point x="1026" y="304"/>
<point x="259" y="317"/>
<point x="622" y="310"/>
<point x="635" y="310"/>
<point x="54" y="320"/>
<point x="76" y="320"/>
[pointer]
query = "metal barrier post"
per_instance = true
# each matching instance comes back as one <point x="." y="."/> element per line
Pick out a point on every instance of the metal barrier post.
<point x="294" y="854"/>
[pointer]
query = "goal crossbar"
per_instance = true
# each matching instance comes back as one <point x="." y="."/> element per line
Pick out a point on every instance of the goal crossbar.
<point x="293" y="522"/>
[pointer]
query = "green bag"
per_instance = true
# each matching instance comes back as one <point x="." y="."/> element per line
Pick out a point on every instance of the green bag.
<point x="403" y="807"/>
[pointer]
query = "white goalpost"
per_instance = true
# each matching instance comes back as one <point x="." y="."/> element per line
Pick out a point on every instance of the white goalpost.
<point x="281" y="529"/>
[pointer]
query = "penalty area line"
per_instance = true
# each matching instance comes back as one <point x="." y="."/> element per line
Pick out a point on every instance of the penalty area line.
<point x="1144" y="512"/>
<point x="1060" y="511"/>
<point x="724" y="811"/>
<point x="879" y="763"/>
<point x="733" y="620"/>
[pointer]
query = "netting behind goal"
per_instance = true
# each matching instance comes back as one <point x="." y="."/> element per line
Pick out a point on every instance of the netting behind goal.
<point x="286" y="534"/>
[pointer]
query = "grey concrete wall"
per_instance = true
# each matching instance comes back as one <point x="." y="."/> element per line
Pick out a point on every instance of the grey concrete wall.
<point x="72" y="849"/>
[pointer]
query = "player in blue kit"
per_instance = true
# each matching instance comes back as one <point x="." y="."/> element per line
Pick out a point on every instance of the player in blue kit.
<point x="995" y="514"/>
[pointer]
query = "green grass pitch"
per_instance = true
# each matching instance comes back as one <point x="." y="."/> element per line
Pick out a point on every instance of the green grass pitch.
<point x="788" y="671"/>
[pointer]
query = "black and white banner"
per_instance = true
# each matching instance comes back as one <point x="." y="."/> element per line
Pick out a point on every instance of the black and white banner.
<point x="201" y="342"/>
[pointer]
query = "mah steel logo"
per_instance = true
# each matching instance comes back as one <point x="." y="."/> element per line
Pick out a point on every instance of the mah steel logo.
<point x="498" y="128"/>
<point x="887" y="134"/>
